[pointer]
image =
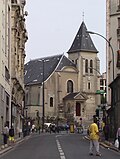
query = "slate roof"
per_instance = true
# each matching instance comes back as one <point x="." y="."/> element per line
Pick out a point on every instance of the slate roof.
<point x="34" y="68"/>
<point x="72" y="96"/>
<point x="82" y="41"/>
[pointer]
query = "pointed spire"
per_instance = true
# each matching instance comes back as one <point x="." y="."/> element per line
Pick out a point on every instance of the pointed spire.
<point x="82" y="41"/>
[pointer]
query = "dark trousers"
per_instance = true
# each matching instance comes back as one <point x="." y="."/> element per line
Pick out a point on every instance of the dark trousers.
<point x="106" y="136"/>
<point x="5" y="138"/>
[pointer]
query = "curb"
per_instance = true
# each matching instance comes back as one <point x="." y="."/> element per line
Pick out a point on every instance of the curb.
<point x="18" y="141"/>
<point x="106" y="145"/>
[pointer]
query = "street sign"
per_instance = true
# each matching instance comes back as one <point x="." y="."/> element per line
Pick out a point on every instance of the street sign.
<point x="100" y="92"/>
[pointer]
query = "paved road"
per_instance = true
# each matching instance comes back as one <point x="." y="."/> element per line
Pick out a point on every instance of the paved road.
<point x="56" y="146"/>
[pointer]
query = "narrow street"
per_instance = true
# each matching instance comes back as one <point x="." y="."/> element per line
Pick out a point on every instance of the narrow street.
<point x="56" y="146"/>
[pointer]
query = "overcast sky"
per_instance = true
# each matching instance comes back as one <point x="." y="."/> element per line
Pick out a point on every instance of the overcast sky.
<point x="53" y="24"/>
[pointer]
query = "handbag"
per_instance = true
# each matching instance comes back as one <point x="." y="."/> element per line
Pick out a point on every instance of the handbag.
<point x="116" y="143"/>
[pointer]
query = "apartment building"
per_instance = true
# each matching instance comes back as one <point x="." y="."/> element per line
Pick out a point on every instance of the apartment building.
<point x="13" y="36"/>
<point x="113" y="62"/>
<point x="18" y="39"/>
<point x="5" y="62"/>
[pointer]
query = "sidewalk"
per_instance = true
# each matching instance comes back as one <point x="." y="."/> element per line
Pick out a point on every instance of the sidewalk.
<point x="18" y="140"/>
<point x="107" y="144"/>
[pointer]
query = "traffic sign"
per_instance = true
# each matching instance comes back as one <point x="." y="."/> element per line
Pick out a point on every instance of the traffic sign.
<point x="100" y="92"/>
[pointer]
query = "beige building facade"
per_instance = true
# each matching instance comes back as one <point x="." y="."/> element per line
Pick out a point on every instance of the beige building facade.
<point x="18" y="39"/>
<point x="5" y="62"/>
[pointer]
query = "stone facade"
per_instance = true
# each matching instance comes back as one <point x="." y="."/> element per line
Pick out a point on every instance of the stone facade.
<point x="69" y="89"/>
<point x="5" y="61"/>
<point x="18" y="40"/>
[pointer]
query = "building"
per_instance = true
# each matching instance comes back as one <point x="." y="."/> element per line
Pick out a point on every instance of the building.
<point x="5" y="62"/>
<point x="113" y="62"/>
<point x="18" y="40"/>
<point x="65" y="87"/>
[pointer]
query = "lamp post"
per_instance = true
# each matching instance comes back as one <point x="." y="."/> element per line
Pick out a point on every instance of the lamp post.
<point x="95" y="70"/>
<point x="43" y="110"/>
<point x="101" y="93"/>
<point x="43" y="93"/>
<point x="90" y="32"/>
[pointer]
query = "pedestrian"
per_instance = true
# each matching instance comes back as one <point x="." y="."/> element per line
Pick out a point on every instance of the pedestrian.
<point x="118" y="137"/>
<point x="94" y="137"/>
<point x="5" y="134"/>
<point x="11" y="135"/>
<point x="106" y="131"/>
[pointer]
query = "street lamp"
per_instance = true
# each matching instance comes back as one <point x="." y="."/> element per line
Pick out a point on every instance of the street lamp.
<point x="43" y="96"/>
<point x="43" y="110"/>
<point x="90" y="32"/>
<point x="95" y="70"/>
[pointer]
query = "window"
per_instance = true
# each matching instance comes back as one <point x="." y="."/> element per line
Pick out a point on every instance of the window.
<point x="69" y="86"/>
<point x="118" y="44"/>
<point x="91" y="66"/>
<point x="118" y="58"/>
<point x="118" y="22"/>
<point x="86" y="66"/>
<point x="101" y="82"/>
<point x="14" y="1"/>
<point x="51" y="101"/>
<point x="7" y="75"/>
<point x="2" y="93"/>
<point x="89" y="85"/>
<point x="7" y="100"/>
<point x="118" y="5"/>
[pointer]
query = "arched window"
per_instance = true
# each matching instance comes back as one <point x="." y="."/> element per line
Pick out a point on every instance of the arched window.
<point x="69" y="86"/>
<point x="86" y="66"/>
<point x="51" y="101"/>
<point x="91" y="66"/>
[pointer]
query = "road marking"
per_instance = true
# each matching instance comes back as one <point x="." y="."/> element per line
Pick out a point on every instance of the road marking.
<point x="62" y="155"/>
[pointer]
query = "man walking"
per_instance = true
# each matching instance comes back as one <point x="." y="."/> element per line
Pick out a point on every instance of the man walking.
<point x="5" y="134"/>
<point x="94" y="137"/>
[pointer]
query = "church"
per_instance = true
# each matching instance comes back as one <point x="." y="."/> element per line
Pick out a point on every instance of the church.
<point x="64" y="88"/>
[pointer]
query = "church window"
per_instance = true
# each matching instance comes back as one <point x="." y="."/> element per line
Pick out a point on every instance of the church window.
<point x="89" y="85"/>
<point x="86" y="66"/>
<point x="91" y="66"/>
<point x="51" y="101"/>
<point x="69" y="86"/>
